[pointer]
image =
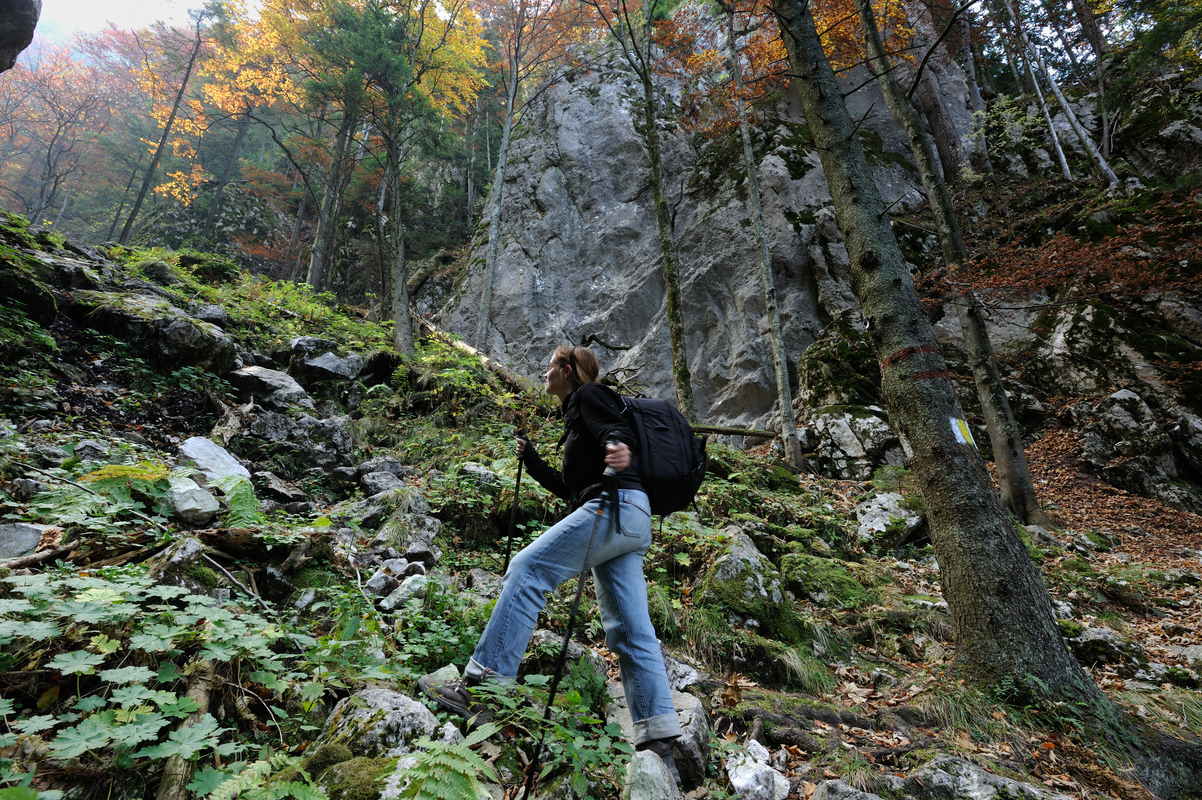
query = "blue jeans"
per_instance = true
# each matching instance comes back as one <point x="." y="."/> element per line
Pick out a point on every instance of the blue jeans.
<point x="556" y="556"/>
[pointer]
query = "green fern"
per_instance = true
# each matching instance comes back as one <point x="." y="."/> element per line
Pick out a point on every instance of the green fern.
<point x="244" y="506"/>
<point x="448" y="771"/>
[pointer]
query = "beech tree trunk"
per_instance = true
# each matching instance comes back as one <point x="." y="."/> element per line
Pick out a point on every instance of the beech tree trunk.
<point x="784" y="393"/>
<point x="177" y="772"/>
<point x="947" y="138"/>
<point x="980" y="146"/>
<point x="1091" y="29"/>
<point x="1014" y="477"/>
<point x="1047" y="117"/>
<point x="494" y="222"/>
<point x="999" y="605"/>
<point x="402" y="330"/>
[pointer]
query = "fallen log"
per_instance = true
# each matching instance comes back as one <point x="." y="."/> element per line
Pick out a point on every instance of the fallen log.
<point x="177" y="773"/>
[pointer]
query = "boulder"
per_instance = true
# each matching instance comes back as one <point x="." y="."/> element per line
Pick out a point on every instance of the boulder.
<point x="746" y="583"/>
<point x="191" y="503"/>
<point x="378" y="722"/>
<point x="182" y="564"/>
<point x="411" y="587"/>
<point x="838" y="790"/>
<point x="1095" y="645"/>
<point x="542" y="655"/>
<point x="381" y="583"/>
<point x="412" y="535"/>
<point x="276" y="487"/>
<point x="273" y="388"/>
<point x="213" y="461"/>
<point x="948" y="776"/>
<point x="823" y="580"/>
<point x="385" y="464"/>
<point x="647" y="778"/>
<point x="324" y="443"/>
<point x="18" y="19"/>
<point x="377" y="482"/>
<point x="752" y="776"/>
<point x="1193" y="656"/>
<point x="214" y="315"/>
<point x="166" y="334"/>
<point x="19" y="538"/>
<point x="484" y="584"/>
<point x="325" y="367"/>
<point x="691" y="750"/>
<point x="91" y="450"/>
<point x="886" y="519"/>
<point x="851" y="443"/>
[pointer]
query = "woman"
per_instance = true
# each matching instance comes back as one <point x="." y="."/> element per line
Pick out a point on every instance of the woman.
<point x="591" y="418"/>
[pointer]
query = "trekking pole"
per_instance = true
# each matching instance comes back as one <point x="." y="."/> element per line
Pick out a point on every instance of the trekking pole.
<point x="611" y="494"/>
<point x="517" y="488"/>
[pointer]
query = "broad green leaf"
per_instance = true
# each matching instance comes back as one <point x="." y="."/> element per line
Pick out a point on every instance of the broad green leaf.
<point x="100" y="594"/>
<point x="155" y="638"/>
<point x="321" y="522"/>
<point x="186" y="742"/>
<point x="127" y="675"/>
<point x="219" y="651"/>
<point x="180" y="708"/>
<point x="206" y="781"/>
<point x="6" y="706"/>
<point x="35" y="724"/>
<point x="90" y="612"/>
<point x="77" y="661"/>
<point x="91" y="734"/>
<point x="129" y="696"/>
<point x="38" y="630"/>
<point x="92" y="703"/>
<point x="12" y="605"/>
<point x="137" y="732"/>
<point x="168" y="672"/>
<point x="104" y="645"/>
<point x="19" y="793"/>
<point x="166" y="592"/>
<point x="8" y="739"/>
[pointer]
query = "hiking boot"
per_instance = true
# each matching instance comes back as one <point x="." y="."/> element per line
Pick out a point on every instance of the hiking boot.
<point x="456" y="697"/>
<point x="663" y="749"/>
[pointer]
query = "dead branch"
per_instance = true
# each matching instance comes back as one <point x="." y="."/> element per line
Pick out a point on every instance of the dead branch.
<point x="36" y="558"/>
<point x="512" y="379"/>
<point x="178" y="771"/>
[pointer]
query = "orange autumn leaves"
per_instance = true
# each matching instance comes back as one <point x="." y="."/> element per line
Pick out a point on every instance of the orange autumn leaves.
<point x="694" y="43"/>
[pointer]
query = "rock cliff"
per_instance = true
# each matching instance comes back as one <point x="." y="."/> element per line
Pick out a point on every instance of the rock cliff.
<point x="580" y="249"/>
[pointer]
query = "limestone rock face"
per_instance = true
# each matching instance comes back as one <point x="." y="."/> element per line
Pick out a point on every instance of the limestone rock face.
<point x="325" y="443"/>
<point x="580" y="252"/>
<point x="274" y="388"/>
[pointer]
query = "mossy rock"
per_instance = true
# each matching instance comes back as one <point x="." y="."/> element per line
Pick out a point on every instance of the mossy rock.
<point x="314" y="578"/>
<point x="746" y="583"/>
<point x="824" y="580"/>
<point x="359" y="778"/>
<point x="203" y="575"/>
<point x="840" y="368"/>
<point x="1070" y="628"/>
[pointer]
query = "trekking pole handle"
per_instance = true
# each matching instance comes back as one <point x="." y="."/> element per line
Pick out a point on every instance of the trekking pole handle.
<point x="610" y="472"/>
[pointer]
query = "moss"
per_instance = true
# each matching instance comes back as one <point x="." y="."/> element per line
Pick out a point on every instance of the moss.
<point x="816" y="577"/>
<point x="1078" y="565"/>
<point x="325" y="757"/>
<point x="314" y="578"/>
<point x="1070" y="628"/>
<point x="203" y="575"/>
<point x="875" y="152"/>
<point x="840" y="367"/>
<point x="1099" y="541"/>
<point x="357" y="779"/>
<point x="1181" y="677"/>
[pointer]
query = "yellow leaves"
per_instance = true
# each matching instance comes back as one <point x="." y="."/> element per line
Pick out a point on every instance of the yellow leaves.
<point x="182" y="185"/>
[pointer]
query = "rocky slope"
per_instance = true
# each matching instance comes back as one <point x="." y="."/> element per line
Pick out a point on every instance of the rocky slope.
<point x="318" y="524"/>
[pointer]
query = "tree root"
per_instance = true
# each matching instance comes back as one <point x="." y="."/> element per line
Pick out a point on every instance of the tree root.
<point x="178" y="771"/>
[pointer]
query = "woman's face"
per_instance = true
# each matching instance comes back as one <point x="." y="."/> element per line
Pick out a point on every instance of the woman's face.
<point x="558" y="379"/>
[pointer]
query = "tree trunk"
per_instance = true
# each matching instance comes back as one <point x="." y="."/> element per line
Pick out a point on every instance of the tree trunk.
<point x="243" y="124"/>
<point x="784" y="393"/>
<point x="947" y="138"/>
<point x="980" y="147"/>
<point x="1103" y="168"/>
<point x="999" y="604"/>
<point x="1064" y="42"/>
<point x="1091" y="29"/>
<point x="402" y="330"/>
<point x="986" y="80"/>
<point x="1047" y="116"/>
<point x="127" y="231"/>
<point x="385" y="271"/>
<point x="293" y="264"/>
<point x="1018" y="491"/>
<point x="325" y="222"/>
<point x="494" y="223"/>
<point x="680" y="361"/>
<point x="117" y="217"/>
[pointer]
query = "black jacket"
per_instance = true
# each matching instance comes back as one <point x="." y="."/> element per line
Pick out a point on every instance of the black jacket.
<point x="591" y="416"/>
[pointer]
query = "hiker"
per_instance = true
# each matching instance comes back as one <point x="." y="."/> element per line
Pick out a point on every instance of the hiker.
<point x="591" y="419"/>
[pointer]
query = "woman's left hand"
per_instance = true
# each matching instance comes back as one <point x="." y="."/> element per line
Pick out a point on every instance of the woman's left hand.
<point x="617" y="456"/>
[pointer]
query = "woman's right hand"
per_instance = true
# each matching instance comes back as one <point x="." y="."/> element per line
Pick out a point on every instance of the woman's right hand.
<point x="520" y="447"/>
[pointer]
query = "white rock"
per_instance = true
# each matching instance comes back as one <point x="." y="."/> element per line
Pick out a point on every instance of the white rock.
<point x="191" y="503"/>
<point x="648" y="779"/>
<point x="838" y="790"/>
<point x="212" y="460"/>
<point x="885" y="512"/>
<point x="378" y="722"/>
<point x="949" y="776"/>
<point x="752" y="776"/>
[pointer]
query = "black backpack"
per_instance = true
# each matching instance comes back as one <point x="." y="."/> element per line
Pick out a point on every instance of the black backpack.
<point x="671" y="460"/>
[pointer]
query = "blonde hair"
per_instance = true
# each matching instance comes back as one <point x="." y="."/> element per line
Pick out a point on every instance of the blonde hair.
<point x="584" y="364"/>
